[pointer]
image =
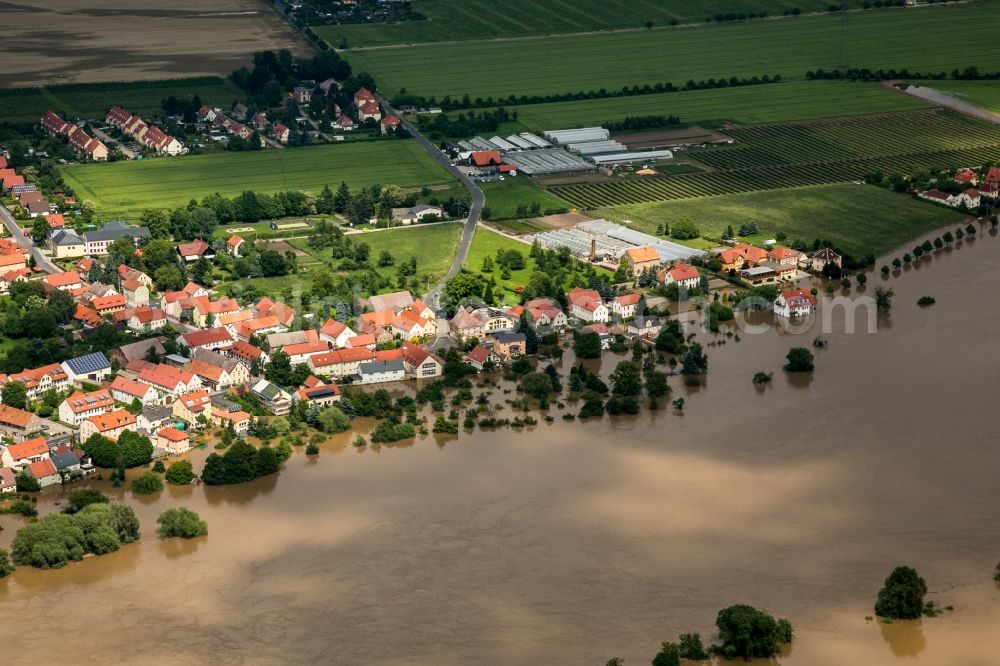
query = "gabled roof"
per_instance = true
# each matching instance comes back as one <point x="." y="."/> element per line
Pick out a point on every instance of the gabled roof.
<point x="206" y="337"/>
<point x="640" y="255"/>
<point x="67" y="279"/>
<point x="84" y="402"/>
<point x="131" y="387"/>
<point x="42" y="469"/>
<point x="15" y="417"/>
<point x="486" y="157"/>
<point x="87" y="363"/>
<point x="172" y="434"/>
<point x="113" y="420"/>
<point x="681" y="272"/>
<point x="28" y="449"/>
<point x="195" y="248"/>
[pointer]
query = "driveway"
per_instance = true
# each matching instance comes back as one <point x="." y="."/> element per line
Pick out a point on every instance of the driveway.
<point x="14" y="230"/>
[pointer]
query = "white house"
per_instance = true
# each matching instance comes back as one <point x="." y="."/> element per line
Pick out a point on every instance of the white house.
<point x="587" y="304"/>
<point x="80" y="406"/>
<point x="624" y="305"/>
<point x="336" y="333"/>
<point x="794" y="303"/>
<point x="89" y="367"/>
<point x="683" y="275"/>
<point x="376" y="372"/>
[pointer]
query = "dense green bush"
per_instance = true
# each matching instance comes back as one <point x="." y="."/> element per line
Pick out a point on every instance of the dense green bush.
<point x="131" y="450"/>
<point x="748" y="632"/>
<point x="242" y="463"/>
<point x="147" y="483"/>
<point x="387" y="431"/>
<point x="180" y="473"/>
<point x="902" y="596"/>
<point x="181" y="522"/>
<point x="59" y="538"/>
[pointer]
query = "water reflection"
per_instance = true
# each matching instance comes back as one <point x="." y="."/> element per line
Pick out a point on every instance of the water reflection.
<point x="173" y="549"/>
<point x="904" y="637"/>
<point x="241" y="494"/>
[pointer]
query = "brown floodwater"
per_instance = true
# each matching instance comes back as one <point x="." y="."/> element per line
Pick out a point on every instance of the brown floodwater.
<point x="571" y="543"/>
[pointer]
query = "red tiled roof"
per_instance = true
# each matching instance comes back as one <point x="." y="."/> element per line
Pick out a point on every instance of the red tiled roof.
<point x="173" y="434"/>
<point x="62" y="279"/>
<point x="486" y="157"/>
<point x="42" y="469"/>
<point x="111" y="420"/>
<point x="28" y="448"/>
<point x="206" y="337"/>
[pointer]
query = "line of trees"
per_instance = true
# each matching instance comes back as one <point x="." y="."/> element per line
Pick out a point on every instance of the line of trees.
<point x="970" y="73"/>
<point x="448" y="103"/>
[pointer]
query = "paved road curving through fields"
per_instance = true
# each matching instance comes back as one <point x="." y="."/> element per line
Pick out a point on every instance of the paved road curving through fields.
<point x="14" y="230"/>
<point x="433" y="297"/>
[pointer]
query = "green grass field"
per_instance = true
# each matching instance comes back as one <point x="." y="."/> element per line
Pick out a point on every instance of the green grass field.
<point x="433" y="246"/>
<point x="798" y="100"/>
<point x="504" y="197"/>
<point x="452" y="20"/>
<point x="92" y="100"/>
<point x="861" y="219"/>
<point x="127" y="188"/>
<point x="984" y="94"/>
<point x="921" y="39"/>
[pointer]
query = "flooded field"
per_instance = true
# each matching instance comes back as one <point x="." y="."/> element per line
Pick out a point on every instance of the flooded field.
<point x="48" y="42"/>
<point x="575" y="542"/>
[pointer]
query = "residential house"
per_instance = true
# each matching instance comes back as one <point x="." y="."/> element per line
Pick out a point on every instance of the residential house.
<point x="410" y="326"/>
<point x="259" y="120"/>
<point x="273" y="398"/>
<point x="210" y="338"/>
<point x="136" y="293"/>
<point x="281" y="132"/>
<point x="623" y="306"/>
<point x="45" y="472"/>
<point x="683" y="275"/>
<point x="602" y="332"/>
<point x="377" y="372"/>
<point x="24" y="453"/>
<point x="233" y="245"/>
<point x="363" y="96"/>
<point x="195" y="250"/>
<point x="336" y="333"/>
<point x="545" y="313"/>
<point x="68" y="462"/>
<point x="226" y="413"/>
<point x="495" y="320"/>
<point x="417" y="214"/>
<point x="466" y="326"/>
<point x="173" y="440"/>
<point x="640" y="259"/>
<point x="8" y="481"/>
<point x="67" y="281"/>
<point x="247" y="354"/>
<point x="390" y="124"/>
<point x="127" y="391"/>
<point x="64" y="243"/>
<point x="147" y="319"/>
<point x="189" y="406"/>
<point x="92" y="367"/>
<point x="341" y="363"/>
<point x="109" y="424"/>
<point x="480" y="356"/>
<point x="823" y="257"/>
<point x="394" y="302"/>
<point x="587" y="304"/>
<point x="969" y="198"/>
<point x="420" y="363"/>
<point x="37" y="381"/>
<point x="794" y="303"/>
<point x="784" y="256"/>
<point x="316" y="392"/>
<point x="169" y="382"/>
<point x="344" y="123"/>
<point x="644" y="326"/>
<point x="108" y="305"/>
<point x="937" y="196"/>
<point x="370" y="111"/>
<point x="485" y="158"/>
<point x="216" y="376"/>
<point x="87" y="146"/>
<point x="152" y="419"/>
<point x="509" y="345"/>
<point x="80" y="406"/>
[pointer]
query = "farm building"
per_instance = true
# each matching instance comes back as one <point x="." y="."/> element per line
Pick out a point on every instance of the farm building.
<point x="546" y="161"/>
<point x="563" y="137"/>
<point x="606" y="241"/>
<point x="630" y="157"/>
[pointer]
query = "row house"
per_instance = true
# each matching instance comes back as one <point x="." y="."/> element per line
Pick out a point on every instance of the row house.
<point x="66" y="281"/>
<point x="300" y="353"/>
<point x="24" y="453"/>
<point x="147" y="320"/>
<point x="17" y="423"/>
<point x="210" y="338"/>
<point x="109" y="424"/>
<point x="127" y="391"/>
<point x="340" y="363"/>
<point x="39" y="380"/>
<point x="247" y="354"/>
<point x="45" y="472"/>
<point x="189" y="406"/>
<point x="80" y="406"/>
<point x="169" y="382"/>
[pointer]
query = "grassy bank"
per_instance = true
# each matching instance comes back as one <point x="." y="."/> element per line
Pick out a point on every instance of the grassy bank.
<point x="922" y="39"/>
<point x="127" y="188"/>
<point x="860" y="219"/>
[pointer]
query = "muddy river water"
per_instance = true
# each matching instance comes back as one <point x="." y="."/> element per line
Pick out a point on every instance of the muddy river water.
<point x="576" y="542"/>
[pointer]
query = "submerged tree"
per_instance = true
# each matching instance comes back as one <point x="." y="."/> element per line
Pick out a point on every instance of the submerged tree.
<point x="902" y="595"/>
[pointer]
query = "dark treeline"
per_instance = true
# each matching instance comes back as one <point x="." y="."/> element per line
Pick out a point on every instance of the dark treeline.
<point x="641" y="122"/>
<point x="970" y="73"/>
<point x="465" y="124"/>
<point x="447" y="103"/>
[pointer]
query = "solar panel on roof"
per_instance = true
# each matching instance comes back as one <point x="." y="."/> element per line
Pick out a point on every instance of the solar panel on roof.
<point x="88" y="363"/>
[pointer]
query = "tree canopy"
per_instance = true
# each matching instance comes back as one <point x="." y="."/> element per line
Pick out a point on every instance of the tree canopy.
<point x="902" y="595"/>
<point x="58" y="538"/>
<point x="748" y="632"/>
<point x="181" y="522"/>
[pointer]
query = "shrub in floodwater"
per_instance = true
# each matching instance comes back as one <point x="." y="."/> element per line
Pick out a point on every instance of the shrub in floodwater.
<point x="902" y="595"/>
<point x="925" y="301"/>
<point x="147" y="483"/>
<point x="181" y="522"/>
